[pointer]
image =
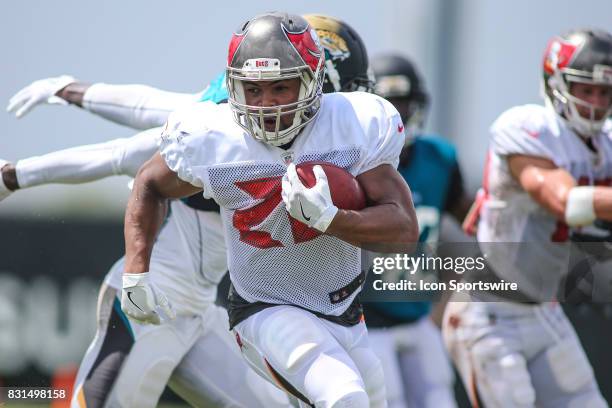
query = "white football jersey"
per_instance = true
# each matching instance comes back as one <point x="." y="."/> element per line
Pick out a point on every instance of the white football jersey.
<point x="272" y="257"/>
<point x="509" y="216"/>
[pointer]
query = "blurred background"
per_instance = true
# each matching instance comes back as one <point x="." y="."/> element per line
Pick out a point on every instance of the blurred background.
<point x="478" y="58"/>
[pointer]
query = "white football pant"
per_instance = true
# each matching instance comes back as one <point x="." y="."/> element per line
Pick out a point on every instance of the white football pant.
<point x="129" y="364"/>
<point x="322" y="363"/>
<point x="519" y="355"/>
<point x="418" y="373"/>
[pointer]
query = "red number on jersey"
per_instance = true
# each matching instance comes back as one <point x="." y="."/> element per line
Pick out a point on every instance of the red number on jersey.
<point x="244" y="220"/>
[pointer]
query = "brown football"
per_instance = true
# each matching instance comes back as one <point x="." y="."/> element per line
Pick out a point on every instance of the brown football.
<point x="346" y="192"/>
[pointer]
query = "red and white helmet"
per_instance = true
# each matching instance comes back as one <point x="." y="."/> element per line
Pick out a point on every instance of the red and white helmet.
<point x="271" y="47"/>
<point x="583" y="56"/>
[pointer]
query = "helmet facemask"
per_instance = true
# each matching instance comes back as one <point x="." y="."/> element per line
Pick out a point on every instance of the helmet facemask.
<point x="567" y="105"/>
<point x="360" y="83"/>
<point x="415" y="123"/>
<point x="251" y="118"/>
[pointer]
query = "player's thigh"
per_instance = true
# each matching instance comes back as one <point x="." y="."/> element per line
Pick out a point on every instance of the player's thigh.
<point x="427" y="374"/>
<point x="294" y="349"/>
<point x="214" y="374"/>
<point x="563" y="377"/>
<point x="457" y="335"/>
<point x="156" y="351"/>
<point x="488" y="355"/>
<point x="103" y="359"/>
<point x="500" y="374"/>
<point x="368" y="363"/>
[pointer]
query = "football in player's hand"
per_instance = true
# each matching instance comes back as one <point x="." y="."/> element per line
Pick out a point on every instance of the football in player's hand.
<point x="346" y="192"/>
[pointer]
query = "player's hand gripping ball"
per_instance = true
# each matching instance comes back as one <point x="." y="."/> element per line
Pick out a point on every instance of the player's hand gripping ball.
<point x="314" y="191"/>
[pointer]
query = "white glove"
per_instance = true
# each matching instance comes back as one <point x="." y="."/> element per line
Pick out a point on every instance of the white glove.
<point x="41" y="91"/>
<point x="312" y="206"/>
<point x="142" y="301"/>
<point x="4" y="191"/>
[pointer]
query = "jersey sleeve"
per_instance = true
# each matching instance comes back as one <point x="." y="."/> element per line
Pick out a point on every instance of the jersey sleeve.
<point x="177" y="149"/>
<point x="136" y="106"/>
<point x="517" y="131"/>
<point x="87" y="163"/>
<point x="385" y="137"/>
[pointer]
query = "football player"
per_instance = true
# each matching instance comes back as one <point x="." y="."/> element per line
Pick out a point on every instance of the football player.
<point x="294" y="266"/>
<point x="417" y="370"/>
<point x="548" y="175"/>
<point x="347" y="58"/>
<point x="129" y="363"/>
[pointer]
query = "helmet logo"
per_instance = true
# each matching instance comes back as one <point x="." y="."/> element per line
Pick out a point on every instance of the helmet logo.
<point x="334" y="45"/>
<point x="557" y="55"/>
<point x="233" y="47"/>
<point x="261" y="67"/>
<point x="307" y="45"/>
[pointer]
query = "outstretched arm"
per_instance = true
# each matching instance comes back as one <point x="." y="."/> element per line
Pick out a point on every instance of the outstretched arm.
<point x="556" y="190"/>
<point x="136" y="106"/>
<point x="84" y="163"/>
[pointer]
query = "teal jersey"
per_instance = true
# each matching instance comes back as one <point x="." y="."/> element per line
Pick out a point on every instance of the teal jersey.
<point x="429" y="171"/>
<point x="216" y="91"/>
<point x="429" y="167"/>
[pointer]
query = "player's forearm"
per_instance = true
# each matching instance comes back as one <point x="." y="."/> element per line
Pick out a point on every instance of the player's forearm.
<point x="146" y="209"/>
<point x="548" y="187"/>
<point x="136" y="106"/>
<point x="86" y="163"/>
<point x="386" y="228"/>
<point x="576" y="205"/>
<point x="144" y="215"/>
<point x="555" y="190"/>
